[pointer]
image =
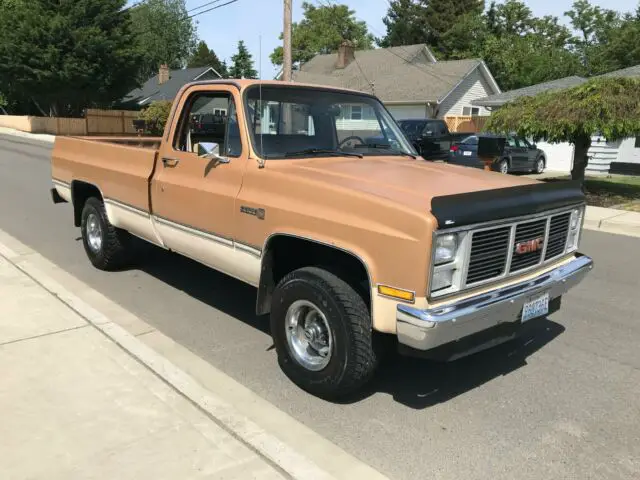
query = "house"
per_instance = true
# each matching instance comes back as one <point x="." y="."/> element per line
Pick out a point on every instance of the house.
<point x="166" y="85"/>
<point x="408" y="79"/>
<point x="620" y="156"/>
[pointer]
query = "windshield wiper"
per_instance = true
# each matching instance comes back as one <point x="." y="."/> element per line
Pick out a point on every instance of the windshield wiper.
<point x="385" y="146"/>
<point x="322" y="151"/>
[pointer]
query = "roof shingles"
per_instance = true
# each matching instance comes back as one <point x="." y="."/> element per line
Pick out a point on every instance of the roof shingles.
<point x="397" y="74"/>
<point x="151" y="90"/>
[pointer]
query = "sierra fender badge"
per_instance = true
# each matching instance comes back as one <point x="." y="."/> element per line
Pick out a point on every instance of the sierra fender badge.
<point x="256" y="212"/>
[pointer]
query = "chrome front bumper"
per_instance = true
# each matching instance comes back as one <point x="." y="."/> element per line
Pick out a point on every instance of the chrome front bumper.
<point x="431" y="328"/>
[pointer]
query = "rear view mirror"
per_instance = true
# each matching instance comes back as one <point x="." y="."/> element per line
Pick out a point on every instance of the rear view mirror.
<point x="208" y="149"/>
<point x="211" y="150"/>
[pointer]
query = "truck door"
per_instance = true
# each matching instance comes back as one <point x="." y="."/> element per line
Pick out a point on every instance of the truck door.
<point x="193" y="197"/>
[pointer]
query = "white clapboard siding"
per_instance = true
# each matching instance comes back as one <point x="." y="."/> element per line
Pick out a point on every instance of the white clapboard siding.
<point x="474" y="86"/>
<point x="601" y="154"/>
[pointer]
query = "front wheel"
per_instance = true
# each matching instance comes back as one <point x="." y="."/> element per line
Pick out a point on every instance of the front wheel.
<point x="106" y="246"/>
<point x="539" y="165"/>
<point x="321" y="329"/>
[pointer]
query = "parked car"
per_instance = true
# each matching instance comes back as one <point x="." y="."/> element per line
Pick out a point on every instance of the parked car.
<point x="431" y="137"/>
<point x="518" y="156"/>
<point x="346" y="245"/>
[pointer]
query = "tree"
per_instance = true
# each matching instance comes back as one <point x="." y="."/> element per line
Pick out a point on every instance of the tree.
<point x="322" y="30"/>
<point x="595" y="25"/>
<point x="165" y="34"/>
<point x="205" y="57"/>
<point x="65" y="56"/>
<point x="242" y="66"/>
<point x="603" y="106"/>
<point x="155" y="116"/>
<point x="438" y="23"/>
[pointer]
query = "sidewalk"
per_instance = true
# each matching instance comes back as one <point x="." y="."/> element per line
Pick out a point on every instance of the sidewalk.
<point x="44" y="137"/>
<point x="76" y="405"/>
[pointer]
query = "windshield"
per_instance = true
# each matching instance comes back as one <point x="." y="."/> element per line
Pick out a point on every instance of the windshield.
<point x="301" y="122"/>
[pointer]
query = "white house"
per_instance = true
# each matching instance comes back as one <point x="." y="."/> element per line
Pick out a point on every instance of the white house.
<point x="408" y="79"/>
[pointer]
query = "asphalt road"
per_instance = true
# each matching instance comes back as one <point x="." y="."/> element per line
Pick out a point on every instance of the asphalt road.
<point x="563" y="402"/>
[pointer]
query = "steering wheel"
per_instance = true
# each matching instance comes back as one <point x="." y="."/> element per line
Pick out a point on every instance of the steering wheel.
<point x="352" y="137"/>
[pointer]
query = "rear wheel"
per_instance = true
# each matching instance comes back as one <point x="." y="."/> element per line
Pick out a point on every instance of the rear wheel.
<point x="106" y="246"/>
<point x="321" y="329"/>
<point x="503" y="166"/>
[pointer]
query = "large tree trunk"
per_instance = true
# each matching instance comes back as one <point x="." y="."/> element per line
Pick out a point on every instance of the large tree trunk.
<point x="580" y="150"/>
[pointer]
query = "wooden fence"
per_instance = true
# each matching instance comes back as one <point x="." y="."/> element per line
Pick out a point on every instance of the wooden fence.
<point x="466" y="123"/>
<point x="96" y="122"/>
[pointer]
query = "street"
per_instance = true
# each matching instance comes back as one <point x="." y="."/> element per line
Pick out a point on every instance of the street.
<point x="562" y="402"/>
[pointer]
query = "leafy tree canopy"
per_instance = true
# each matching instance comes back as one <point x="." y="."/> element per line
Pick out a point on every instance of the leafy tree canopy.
<point x="165" y="34"/>
<point x="65" y="56"/>
<point x="205" y="57"/>
<point x="155" y="116"/>
<point x="242" y="66"/>
<point x="602" y="106"/>
<point x="322" y="30"/>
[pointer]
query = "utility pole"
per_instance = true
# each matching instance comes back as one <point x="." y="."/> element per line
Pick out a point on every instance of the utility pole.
<point x="286" y="65"/>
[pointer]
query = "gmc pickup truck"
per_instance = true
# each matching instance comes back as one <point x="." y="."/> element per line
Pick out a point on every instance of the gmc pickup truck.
<point x="348" y="243"/>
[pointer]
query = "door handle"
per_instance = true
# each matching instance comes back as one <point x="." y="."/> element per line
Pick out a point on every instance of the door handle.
<point x="170" y="162"/>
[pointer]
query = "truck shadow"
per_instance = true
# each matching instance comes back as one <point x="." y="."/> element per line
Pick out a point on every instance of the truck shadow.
<point x="413" y="382"/>
<point x="419" y="383"/>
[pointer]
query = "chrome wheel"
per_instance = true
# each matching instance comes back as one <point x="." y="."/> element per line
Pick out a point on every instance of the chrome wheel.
<point x="539" y="166"/>
<point x="504" y="167"/>
<point x="308" y="335"/>
<point x="94" y="233"/>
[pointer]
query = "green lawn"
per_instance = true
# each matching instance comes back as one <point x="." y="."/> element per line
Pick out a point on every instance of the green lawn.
<point x="613" y="191"/>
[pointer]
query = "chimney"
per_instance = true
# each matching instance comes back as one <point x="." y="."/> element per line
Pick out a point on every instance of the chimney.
<point x="163" y="74"/>
<point x="346" y="54"/>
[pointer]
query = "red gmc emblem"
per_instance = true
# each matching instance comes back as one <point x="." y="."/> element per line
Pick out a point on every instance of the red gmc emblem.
<point x="529" y="246"/>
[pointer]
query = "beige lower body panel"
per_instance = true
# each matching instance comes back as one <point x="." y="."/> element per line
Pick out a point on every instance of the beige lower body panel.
<point x="225" y="255"/>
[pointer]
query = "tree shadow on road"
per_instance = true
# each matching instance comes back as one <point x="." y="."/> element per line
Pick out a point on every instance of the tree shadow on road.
<point x="416" y="383"/>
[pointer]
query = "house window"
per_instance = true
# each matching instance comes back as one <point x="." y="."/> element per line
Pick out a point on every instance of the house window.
<point x="470" y="111"/>
<point x="220" y="112"/>
<point x="637" y="142"/>
<point x="356" y="112"/>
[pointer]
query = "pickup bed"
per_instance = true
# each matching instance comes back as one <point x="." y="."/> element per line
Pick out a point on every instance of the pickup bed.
<point x="349" y="243"/>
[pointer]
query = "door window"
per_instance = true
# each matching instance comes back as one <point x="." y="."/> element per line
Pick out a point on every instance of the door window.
<point x="211" y="118"/>
<point x="511" y="142"/>
<point x="522" y="143"/>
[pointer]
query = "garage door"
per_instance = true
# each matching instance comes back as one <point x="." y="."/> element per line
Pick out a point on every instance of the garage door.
<point x="406" y="112"/>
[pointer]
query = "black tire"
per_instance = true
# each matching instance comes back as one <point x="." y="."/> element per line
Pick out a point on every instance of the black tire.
<point x="114" y="251"/>
<point x="540" y="164"/>
<point x="353" y="358"/>
<point x="502" y="166"/>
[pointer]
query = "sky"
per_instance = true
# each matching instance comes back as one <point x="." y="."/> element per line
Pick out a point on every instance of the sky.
<point x="259" y="22"/>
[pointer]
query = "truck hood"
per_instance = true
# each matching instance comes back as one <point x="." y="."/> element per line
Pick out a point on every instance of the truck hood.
<point x="408" y="182"/>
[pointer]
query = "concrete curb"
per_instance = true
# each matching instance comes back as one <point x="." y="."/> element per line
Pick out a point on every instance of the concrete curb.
<point x="42" y="137"/>
<point x="610" y="220"/>
<point x="276" y="452"/>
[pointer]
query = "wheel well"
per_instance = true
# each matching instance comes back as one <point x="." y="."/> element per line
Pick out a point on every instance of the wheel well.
<point x="80" y="193"/>
<point x="284" y="254"/>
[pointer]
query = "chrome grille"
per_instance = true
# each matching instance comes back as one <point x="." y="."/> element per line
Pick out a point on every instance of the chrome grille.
<point x="526" y="232"/>
<point x="494" y="252"/>
<point x="557" y="235"/>
<point x="489" y="251"/>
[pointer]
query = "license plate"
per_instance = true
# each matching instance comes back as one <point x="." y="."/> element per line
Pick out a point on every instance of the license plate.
<point x="466" y="154"/>
<point x="536" y="308"/>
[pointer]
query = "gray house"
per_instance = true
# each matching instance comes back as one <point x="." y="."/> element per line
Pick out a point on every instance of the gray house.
<point x="408" y="79"/>
<point x="166" y="85"/>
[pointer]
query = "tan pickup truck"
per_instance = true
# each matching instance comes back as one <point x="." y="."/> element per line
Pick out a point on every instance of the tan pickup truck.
<point x="314" y="196"/>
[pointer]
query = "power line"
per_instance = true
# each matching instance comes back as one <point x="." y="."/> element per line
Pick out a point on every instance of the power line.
<point x="211" y="9"/>
<point x="203" y="5"/>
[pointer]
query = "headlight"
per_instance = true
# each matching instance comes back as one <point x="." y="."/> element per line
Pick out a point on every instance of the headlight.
<point x="446" y="248"/>
<point x="573" y="236"/>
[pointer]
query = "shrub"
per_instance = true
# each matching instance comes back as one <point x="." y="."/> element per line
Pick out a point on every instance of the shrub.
<point x="155" y="116"/>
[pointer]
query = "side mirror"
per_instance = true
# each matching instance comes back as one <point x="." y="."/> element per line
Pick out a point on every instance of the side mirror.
<point x="211" y="150"/>
<point x="533" y="146"/>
